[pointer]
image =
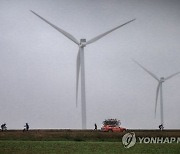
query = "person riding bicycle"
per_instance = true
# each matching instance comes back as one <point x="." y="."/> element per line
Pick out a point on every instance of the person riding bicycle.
<point x="3" y="127"/>
<point x="26" y="127"/>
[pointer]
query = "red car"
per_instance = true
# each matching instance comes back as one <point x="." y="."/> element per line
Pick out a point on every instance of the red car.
<point x="112" y="128"/>
<point x="112" y="125"/>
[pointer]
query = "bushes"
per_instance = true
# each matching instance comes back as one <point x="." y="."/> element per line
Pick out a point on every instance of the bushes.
<point x="113" y="122"/>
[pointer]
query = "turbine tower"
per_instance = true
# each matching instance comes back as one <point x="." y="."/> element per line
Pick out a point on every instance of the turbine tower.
<point x="159" y="90"/>
<point x="80" y="61"/>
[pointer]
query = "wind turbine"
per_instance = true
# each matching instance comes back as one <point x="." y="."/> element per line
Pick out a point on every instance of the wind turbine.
<point x="159" y="90"/>
<point x="80" y="61"/>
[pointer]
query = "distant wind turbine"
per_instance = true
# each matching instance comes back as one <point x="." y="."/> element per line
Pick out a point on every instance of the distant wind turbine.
<point x="159" y="90"/>
<point x="80" y="61"/>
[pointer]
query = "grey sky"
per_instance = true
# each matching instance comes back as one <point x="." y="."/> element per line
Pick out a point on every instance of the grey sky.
<point x="38" y="64"/>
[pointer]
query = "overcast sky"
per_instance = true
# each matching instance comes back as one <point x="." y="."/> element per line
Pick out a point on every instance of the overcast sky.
<point x="38" y="64"/>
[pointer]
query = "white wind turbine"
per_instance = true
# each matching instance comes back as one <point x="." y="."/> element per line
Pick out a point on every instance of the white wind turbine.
<point x="80" y="61"/>
<point x="159" y="90"/>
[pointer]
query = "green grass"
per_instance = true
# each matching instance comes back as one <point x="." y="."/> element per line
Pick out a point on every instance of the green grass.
<point x="74" y="147"/>
<point x="82" y="141"/>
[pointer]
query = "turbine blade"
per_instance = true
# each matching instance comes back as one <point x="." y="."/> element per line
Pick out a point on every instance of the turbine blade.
<point x="104" y="34"/>
<point x="77" y="74"/>
<point x="157" y="94"/>
<point x="172" y="75"/>
<point x="72" y="38"/>
<point x="154" y="76"/>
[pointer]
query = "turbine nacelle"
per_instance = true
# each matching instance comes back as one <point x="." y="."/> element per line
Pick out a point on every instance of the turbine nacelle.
<point x="82" y="43"/>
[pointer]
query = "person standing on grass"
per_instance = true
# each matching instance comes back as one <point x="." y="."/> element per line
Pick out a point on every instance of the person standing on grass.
<point x="95" y="126"/>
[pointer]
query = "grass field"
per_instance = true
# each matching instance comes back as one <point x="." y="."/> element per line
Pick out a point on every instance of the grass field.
<point x="79" y="141"/>
<point x="73" y="147"/>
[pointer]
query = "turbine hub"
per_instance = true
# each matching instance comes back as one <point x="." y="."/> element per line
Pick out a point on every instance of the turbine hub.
<point x="82" y="43"/>
<point x="162" y="79"/>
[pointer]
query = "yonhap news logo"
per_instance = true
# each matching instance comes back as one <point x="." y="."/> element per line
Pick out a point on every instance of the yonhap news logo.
<point x="130" y="139"/>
